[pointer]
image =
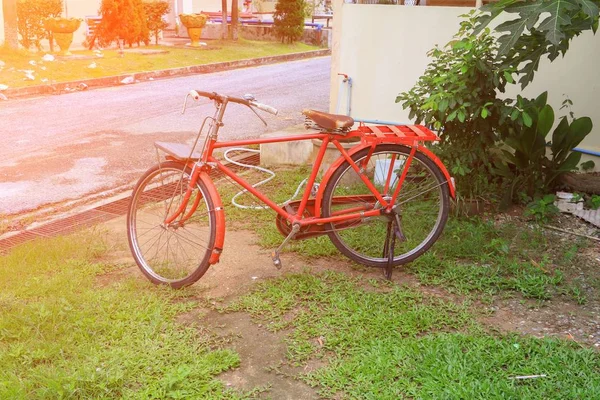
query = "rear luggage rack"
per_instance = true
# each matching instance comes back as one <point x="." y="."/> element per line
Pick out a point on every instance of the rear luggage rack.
<point x="407" y="134"/>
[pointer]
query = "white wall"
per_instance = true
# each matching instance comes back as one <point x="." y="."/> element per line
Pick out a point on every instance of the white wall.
<point x="383" y="48"/>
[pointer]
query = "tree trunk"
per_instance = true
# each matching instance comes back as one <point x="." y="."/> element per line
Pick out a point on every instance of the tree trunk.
<point x="582" y="183"/>
<point x="234" y="19"/>
<point x="224" y="33"/>
<point x="11" y="36"/>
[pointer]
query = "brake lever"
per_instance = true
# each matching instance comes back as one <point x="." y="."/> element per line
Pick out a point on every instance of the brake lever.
<point x="185" y="104"/>
<point x="258" y="115"/>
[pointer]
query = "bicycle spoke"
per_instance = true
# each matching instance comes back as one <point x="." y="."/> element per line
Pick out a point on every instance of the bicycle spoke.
<point x="176" y="253"/>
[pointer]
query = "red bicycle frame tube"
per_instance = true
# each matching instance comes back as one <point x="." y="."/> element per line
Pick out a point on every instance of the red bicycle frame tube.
<point x="297" y="218"/>
<point x="207" y="161"/>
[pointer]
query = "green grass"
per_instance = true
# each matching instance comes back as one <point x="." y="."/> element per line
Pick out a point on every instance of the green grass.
<point x="472" y="256"/>
<point x="478" y="256"/>
<point x="262" y="222"/>
<point x="395" y="343"/>
<point x="64" y="335"/>
<point x="65" y="69"/>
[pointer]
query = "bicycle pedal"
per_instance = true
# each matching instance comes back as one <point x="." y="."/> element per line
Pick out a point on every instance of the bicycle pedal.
<point x="276" y="260"/>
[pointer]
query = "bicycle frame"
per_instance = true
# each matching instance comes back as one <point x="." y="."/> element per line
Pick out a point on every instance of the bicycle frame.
<point x="298" y="216"/>
<point x="411" y="136"/>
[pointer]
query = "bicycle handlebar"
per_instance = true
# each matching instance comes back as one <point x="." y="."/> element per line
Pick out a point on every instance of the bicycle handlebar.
<point x="264" y="107"/>
<point x="196" y="94"/>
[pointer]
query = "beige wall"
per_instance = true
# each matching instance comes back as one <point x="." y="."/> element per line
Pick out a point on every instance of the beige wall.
<point x="1" y="24"/>
<point x="383" y="48"/>
<point x="81" y="9"/>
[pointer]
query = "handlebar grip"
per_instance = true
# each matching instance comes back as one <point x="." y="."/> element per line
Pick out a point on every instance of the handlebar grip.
<point x="264" y="107"/>
<point x="196" y="94"/>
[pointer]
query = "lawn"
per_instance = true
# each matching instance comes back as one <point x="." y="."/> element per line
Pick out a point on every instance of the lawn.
<point x="88" y="64"/>
<point x="65" y="335"/>
<point x="74" y="325"/>
<point x="393" y="342"/>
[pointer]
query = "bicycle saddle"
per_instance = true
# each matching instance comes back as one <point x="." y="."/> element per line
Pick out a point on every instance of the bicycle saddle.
<point x="329" y="122"/>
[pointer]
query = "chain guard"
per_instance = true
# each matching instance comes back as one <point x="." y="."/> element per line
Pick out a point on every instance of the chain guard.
<point x="305" y="232"/>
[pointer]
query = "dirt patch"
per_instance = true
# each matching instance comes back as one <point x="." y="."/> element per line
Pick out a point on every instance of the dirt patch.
<point x="562" y="319"/>
<point x="262" y="355"/>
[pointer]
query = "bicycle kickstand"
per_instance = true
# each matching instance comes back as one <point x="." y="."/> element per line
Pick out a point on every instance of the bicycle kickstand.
<point x="390" y="244"/>
<point x="275" y="254"/>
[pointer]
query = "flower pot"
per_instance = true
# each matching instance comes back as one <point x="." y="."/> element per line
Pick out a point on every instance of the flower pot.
<point x="194" y="24"/>
<point x="62" y="29"/>
<point x="194" y="34"/>
<point x="64" y="41"/>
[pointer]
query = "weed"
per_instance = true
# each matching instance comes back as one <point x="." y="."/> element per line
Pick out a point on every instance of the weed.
<point x="594" y="202"/>
<point x="542" y="210"/>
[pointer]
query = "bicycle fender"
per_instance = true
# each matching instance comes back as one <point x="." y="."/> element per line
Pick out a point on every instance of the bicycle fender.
<point x="442" y="168"/>
<point x="219" y="217"/>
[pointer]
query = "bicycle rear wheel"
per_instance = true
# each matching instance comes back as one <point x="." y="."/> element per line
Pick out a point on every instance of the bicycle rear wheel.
<point x="175" y="253"/>
<point x="422" y="206"/>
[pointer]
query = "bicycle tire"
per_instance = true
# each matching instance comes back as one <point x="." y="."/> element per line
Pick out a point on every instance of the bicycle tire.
<point x="176" y="254"/>
<point x="360" y="240"/>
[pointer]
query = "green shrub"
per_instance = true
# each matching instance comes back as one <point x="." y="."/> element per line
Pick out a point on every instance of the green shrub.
<point x="154" y="12"/>
<point x="526" y="165"/>
<point x="289" y="20"/>
<point x="30" y="17"/>
<point x="123" y="20"/>
<point x="542" y="209"/>
<point x="458" y="96"/>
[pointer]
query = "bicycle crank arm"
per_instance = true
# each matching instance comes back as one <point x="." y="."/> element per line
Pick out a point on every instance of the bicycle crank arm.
<point x="275" y="254"/>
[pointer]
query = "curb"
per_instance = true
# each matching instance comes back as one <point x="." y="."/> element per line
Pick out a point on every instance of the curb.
<point x="66" y="87"/>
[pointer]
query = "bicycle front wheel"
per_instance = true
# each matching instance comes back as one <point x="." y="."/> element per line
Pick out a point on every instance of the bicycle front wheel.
<point x="177" y="252"/>
<point x="420" y="212"/>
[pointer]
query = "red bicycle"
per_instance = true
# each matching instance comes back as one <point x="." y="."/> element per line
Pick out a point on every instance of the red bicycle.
<point x="383" y="203"/>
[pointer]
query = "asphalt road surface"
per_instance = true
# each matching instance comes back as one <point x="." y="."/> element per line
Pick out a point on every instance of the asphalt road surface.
<point x="56" y="149"/>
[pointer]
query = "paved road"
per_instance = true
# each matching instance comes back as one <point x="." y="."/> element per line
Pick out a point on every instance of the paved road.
<point x="59" y="148"/>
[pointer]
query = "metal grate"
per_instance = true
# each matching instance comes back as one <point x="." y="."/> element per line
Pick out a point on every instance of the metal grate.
<point x="118" y="207"/>
<point x="15" y="240"/>
<point x="72" y="223"/>
<point x="94" y="216"/>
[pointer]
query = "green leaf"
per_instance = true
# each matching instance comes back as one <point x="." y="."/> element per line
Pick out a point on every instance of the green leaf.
<point x="443" y="105"/>
<point x="452" y="116"/>
<point x="541" y="100"/>
<point x="545" y="120"/>
<point x="559" y="135"/>
<point x="461" y="115"/>
<point x="587" y="166"/>
<point x="570" y="163"/>
<point x="589" y="8"/>
<point x="508" y="76"/>
<point x="515" y="114"/>
<point x="559" y="17"/>
<point x="484" y="113"/>
<point x="527" y="121"/>
<point x="578" y="130"/>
